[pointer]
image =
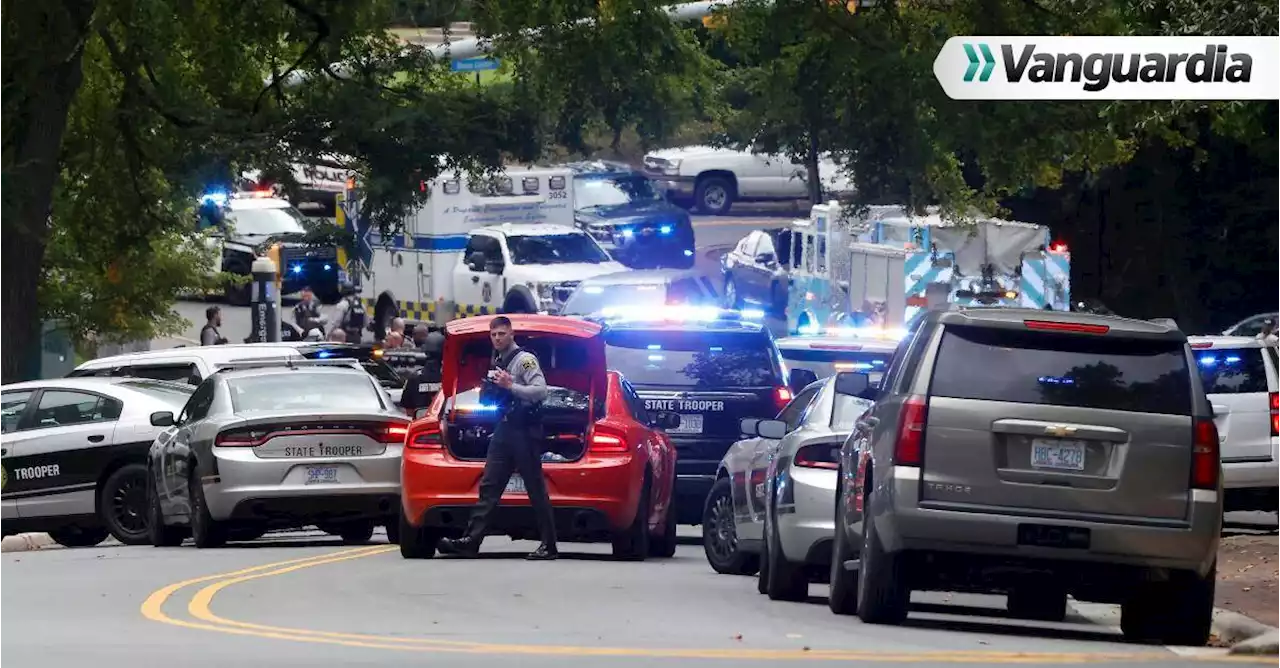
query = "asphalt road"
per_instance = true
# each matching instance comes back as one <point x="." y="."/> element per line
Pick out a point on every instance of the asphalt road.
<point x="307" y="600"/>
<point x="714" y="234"/>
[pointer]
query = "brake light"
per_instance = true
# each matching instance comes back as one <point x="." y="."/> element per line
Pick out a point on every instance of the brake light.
<point x="1076" y="327"/>
<point x="1275" y="413"/>
<point x="395" y="433"/>
<point x="243" y="439"/>
<point x="1204" y="455"/>
<point x="781" y="397"/>
<point x="909" y="450"/>
<point x="426" y="436"/>
<point x="1201" y="345"/>
<point x="608" y="442"/>
<point x="819" y="457"/>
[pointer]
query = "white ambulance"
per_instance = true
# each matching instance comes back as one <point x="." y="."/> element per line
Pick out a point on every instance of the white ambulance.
<point x="479" y="245"/>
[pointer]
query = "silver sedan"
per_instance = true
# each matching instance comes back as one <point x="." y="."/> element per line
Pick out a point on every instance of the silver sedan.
<point x="274" y="445"/>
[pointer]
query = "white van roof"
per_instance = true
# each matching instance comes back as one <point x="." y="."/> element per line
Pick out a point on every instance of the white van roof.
<point x="211" y="354"/>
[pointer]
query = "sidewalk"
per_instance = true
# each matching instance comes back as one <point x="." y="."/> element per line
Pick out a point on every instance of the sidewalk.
<point x="1248" y="568"/>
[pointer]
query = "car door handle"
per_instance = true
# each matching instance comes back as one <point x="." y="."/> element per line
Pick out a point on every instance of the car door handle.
<point x="97" y="438"/>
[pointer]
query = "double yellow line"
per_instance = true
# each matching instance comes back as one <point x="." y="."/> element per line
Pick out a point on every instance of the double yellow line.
<point x="199" y="608"/>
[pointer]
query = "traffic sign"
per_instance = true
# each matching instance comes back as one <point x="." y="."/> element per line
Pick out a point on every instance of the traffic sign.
<point x="475" y="64"/>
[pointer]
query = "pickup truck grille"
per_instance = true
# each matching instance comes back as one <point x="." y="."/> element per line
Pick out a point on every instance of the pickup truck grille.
<point x="563" y="290"/>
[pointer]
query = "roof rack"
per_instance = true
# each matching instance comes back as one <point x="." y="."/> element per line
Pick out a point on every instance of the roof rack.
<point x="286" y="362"/>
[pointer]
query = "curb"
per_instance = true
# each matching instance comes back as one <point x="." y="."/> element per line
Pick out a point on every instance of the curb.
<point x="26" y="542"/>
<point x="1244" y="635"/>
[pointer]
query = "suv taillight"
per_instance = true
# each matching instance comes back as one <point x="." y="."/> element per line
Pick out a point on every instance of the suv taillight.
<point x="781" y="397"/>
<point x="1274" y="399"/>
<point x="819" y="456"/>
<point x="1204" y="455"/>
<point x="425" y="436"/>
<point x="909" y="450"/>
<point x="607" y="441"/>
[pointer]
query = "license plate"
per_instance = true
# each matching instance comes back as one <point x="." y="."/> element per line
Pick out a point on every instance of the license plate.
<point x="516" y="485"/>
<point x="689" y="424"/>
<point x="1055" y="454"/>
<point x="1045" y="535"/>
<point x="322" y="474"/>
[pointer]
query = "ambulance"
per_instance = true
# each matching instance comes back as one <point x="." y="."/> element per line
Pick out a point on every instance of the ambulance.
<point x="479" y="245"/>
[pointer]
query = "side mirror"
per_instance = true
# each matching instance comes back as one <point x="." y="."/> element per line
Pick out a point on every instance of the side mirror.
<point x="162" y="419"/>
<point x="852" y="383"/>
<point x="800" y="378"/>
<point x="747" y="427"/>
<point x="772" y="429"/>
<point x="194" y="379"/>
<point x="667" y="420"/>
<point x="476" y="261"/>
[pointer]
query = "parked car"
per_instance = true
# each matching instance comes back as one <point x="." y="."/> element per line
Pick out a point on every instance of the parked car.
<point x="75" y="453"/>
<point x="626" y="213"/>
<point x="1252" y="325"/>
<point x="610" y="467"/>
<point x="1085" y="463"/>
<point x="188" y="364"/>
<point x="656" y="288"/>
<point x="756" y="271"/>
<point x="712" y="179"/>
<point x="828" y="354"/>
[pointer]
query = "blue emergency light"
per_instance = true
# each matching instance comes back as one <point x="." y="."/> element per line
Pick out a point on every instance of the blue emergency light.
<point x="664" y="230"/>
<point x="216" y="198"/>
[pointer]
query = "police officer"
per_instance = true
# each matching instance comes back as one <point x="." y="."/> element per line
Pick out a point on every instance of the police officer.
<point x="514" y="447"/>
<point x="307" y="313"/>
<point x="350" y="314"/>
<point x="422" y="385"/>
<point x="209" y="334"/>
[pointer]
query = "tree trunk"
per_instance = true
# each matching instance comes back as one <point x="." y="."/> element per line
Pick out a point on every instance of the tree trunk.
<point x="42" y="72"/>
<point x="811" y="167"/>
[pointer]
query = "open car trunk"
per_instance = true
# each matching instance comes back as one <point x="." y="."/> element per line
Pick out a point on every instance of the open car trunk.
<point x="566" y="419"/>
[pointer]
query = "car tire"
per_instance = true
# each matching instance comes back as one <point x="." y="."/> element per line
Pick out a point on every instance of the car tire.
<point x="355" y="533"/>
<point x="842" y="592"/>
<point x="762" y="575"/>
<point x="1178" y="611"/>
<point x="1038" y="602"/>
<point x="787" y="580"/>
<point x="719" y="536"/>
<point x="393" y="531"/>
<point x="206" y="532"/>
<point x="416" y="542"/>
<point x="664" y="547"/>
<point x="161" y="534"/>
<point x="714" y="195"/>
<point x="883" y="594"/>
<point x="122" y="504"/>
<point x="74" y="536"/>
<point x="633" y="543"/>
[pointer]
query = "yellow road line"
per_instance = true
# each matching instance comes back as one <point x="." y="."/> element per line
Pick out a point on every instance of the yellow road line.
<point x="201" y="602"/>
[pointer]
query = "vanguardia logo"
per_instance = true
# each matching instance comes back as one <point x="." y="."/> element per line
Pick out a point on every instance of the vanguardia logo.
<point x="974" y="63"/>
<point x="1098" y="70"/>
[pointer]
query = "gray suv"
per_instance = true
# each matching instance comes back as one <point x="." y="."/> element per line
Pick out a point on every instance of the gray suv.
<point x="1037" y="454"/>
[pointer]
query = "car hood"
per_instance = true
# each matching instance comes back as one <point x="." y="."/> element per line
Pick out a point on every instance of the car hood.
<point x="575" y="271"/>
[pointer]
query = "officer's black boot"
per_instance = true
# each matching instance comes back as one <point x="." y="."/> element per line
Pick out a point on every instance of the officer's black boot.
<point x="545" y="552"/>
<point x="463" y="547"/>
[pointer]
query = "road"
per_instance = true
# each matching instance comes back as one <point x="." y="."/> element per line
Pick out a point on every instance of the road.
<point x="714" y="235"/>
<point x="307" y="600"/>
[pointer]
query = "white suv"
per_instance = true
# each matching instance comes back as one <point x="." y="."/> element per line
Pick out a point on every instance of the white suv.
<point x="1240" y="378"/>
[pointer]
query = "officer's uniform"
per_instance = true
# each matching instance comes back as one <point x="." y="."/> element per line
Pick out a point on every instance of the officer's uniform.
<point x="351" y="318"/>
<point x="421" y="387"/>
<point x="307" y="315"/>
<point x="516" y="447"/>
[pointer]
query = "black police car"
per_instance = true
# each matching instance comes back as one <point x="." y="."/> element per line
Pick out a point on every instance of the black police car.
<point x="713" y="368"/>
<point x="626" y="213"/>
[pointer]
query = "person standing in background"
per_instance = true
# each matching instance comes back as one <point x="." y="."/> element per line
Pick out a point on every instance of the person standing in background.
<point x="209" y="334"/>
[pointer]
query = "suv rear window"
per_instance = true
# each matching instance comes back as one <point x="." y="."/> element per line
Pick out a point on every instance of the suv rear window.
<point x="1063" y="370"/>
<point x="693" y="359"/>
<point x="1232" y="370"/>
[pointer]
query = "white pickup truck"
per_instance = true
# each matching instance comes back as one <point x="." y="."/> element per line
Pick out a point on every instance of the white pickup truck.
<point x="713" y="179"/>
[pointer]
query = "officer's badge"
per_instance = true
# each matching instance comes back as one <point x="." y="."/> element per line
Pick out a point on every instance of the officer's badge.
<point x="529" y="364"/>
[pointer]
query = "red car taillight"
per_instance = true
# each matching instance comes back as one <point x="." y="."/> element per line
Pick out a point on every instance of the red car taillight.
<point x="1275" y="413"/>
<point x="1204" y="455"/>
<point x="819" y="457"/>
<point x="909" y="450"/>
<point x="781" y="397"/>
<point x="394" y="433"/>
<point x="426" y="436"/>
<point x="607" y="441"/>
<point x="232" y="439"/>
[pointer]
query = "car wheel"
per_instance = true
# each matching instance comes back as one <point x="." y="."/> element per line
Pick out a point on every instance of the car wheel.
<point x="356" y="533"/>
<point x="714" y="195"/>
<point x="842" y="596"/>
<point x="205" y="531"/>
<point x="732" y="299"/>
<point x="883" y="595"/>
<point x="762" y="576"/>
<point x="1040" y="602"/>
<point x="633" y="543"/>
<point x="416" y="542"/>
<point x="1178" y="611"/>
<point x="719" y="536"/>
<point x="787" y="580"/>
<point x="393" y="531"/>
<point x="665" y="546"/>
<point x="161" y="534"/>
<point x="79" y="536"/>
<point x="122" y="504"/>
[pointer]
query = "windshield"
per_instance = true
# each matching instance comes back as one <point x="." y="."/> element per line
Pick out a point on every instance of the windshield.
<point x="266" y="222"/>
<point x="593" y="192"/>
<point x="555" y="249"/>
<point x="173" y="393"/>
<point x="302" y="391"/>
<point x="1232" y="370"/>
<point x="595" y="298"/>
<point x="698" y="360"/>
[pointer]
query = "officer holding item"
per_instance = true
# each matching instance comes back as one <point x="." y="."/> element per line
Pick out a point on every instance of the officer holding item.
<point x="423" y="384"/>
<point x="350" y="314"/>
<point x="516" y="385"/>
<point x="307" y="314"/>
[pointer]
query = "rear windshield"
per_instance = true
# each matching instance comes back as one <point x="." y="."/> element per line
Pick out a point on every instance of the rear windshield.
<point x="1232" y="370"/>
<point x="1063" y="370"/>
<point x="302" y="391"/>
<point x="700" y="360"/>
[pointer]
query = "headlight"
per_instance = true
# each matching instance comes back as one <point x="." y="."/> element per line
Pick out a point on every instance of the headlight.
<point x="672" y="168"/>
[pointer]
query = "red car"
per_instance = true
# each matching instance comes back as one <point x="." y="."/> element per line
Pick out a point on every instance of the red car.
<point x="610" y="469"/>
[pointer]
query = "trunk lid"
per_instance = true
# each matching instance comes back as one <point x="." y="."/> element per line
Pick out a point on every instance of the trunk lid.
<point x="1236" y="383"/>
<point x="1073" y="425"/>
<point x="286" y="435"/>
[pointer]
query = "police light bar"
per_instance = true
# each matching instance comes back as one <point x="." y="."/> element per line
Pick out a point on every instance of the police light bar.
<point x="880" y="333"/>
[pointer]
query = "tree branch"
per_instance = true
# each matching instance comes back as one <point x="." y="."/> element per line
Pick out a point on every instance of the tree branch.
<point x="130" y="74"/>
<point x="322" y="33"/>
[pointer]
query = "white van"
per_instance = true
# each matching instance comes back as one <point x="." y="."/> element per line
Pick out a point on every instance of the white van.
<point x="1240" y="377"/>
<point x="186" y="364"/>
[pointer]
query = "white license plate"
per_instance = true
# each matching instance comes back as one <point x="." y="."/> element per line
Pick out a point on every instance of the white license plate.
<point x="516" y="485"/>
<point x="1049" y="453"/>
<point x="689" y="424"/>
<point x="322" y="474"/>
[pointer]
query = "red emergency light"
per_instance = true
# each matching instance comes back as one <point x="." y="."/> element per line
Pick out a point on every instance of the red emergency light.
<point x="1058" y="247"/>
